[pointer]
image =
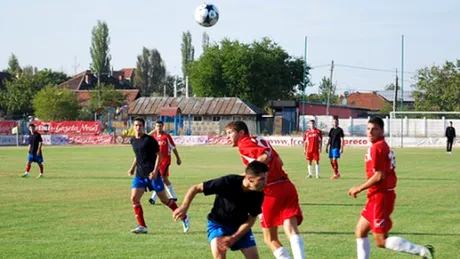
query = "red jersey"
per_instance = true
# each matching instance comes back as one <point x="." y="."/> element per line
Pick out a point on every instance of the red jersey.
<point x="166" y="144"/>
<point x="252" y="147"/>
<point x="313" y="137"/>
<point x="379" y="157"/>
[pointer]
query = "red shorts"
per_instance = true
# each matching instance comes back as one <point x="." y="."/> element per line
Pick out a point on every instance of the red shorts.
<point x="281" y="202"/>
<point x="164" y="169"/>
<point x="312" y="156"/>
<point x="378" y="210"/>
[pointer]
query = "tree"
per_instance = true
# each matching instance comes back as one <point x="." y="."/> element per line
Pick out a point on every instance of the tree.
<point x="325" y="88"/>
<point x="205" y="41"/>
<point x="110" y="97"/>
<point x="169" y="85"/>
<point x="29" y="71"/>
<point x="255" y="72"/>
<point x="13" y="66"/>
<point x="150" y="72"/>
<point x="18" y="94"/>
<point x="438" y="88"/>
<point x="99" y="51"/>
<point x="188" y="52"/>
<point x="390" y="87"/>
<point x="52" y="103"/>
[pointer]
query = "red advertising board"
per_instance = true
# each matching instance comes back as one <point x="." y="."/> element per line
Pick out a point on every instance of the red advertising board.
<point x="7" y="126"/>
<point x="68" y="127"/>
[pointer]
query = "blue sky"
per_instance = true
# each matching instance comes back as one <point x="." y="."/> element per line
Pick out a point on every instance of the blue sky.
<point x="52" y="33"/>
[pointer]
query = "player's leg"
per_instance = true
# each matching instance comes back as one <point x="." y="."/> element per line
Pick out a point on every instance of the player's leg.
<point x="250" y="253"/>
<point x="159" y="188"/>
<point x="137" y="190"/>
<point x="335" y="154"/>
<point x="316" y="158"/>
<point x="383" y="207"/>
<point x="217" y="252"/>
<point x="291" y="229"/>
<point x="169" y="186"/>
<point x="272" y="241"/>
<point x="310" y="166"/>
<point x="363" y="246"/>
<point x="39" y="159"/>
<point x="30" y="159"/>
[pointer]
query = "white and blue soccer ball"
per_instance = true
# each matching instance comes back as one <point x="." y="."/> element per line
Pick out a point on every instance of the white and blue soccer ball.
<point x="206" y="15"/>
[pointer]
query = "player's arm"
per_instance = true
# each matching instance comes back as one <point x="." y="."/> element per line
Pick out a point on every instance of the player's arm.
<point x="244" y="228"/>
<point x="180" y="212"/>
<point x="376" y="178"/>
<point x="264" y="158"/>
<point x="328" y="144"/>
<point x="157" y="165"/>
<point x="133" y="167"/>
<point x="39" y="150"/>
<point x="305" y="146"/>
<point x="342" y="140"/>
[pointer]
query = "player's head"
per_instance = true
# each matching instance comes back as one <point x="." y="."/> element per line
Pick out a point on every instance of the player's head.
<point x="312" y="124"/>
<point x="235" y="130"/>
<point x="138" y="126"/>
<point x="375" y="129"/>
<point x="256" y="175"/>
<point x="450" y="123"/>
<point x="335" y="121"/>
<point x="159" y="126"/>
<point x="32" y="128"/>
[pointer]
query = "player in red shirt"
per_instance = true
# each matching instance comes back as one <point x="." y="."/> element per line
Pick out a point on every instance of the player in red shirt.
<point x="380" y="186"/>
<point x="312" y="140"/>
<point x="281" y="202"/>
<point x="166" y="143"/>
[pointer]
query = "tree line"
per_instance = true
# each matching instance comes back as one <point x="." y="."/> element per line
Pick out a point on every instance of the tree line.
<point x="256" y="72"/>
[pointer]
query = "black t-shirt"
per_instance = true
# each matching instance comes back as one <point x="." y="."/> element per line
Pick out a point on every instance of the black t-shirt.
<point x="450" y="132"/>
<point x="232" y="204"/>
<point x="145" y="148"/>
<point x="335" y="135"/>
<point x="34" y="140"/>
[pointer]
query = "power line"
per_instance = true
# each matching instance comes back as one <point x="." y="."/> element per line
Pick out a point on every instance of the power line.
<point x="371" y="69"/>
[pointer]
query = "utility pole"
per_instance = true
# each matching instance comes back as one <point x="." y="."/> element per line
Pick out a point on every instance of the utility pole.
<point x="75" y="66"/>
<point x="330" y="88"/>
<point x="395" y="100"/>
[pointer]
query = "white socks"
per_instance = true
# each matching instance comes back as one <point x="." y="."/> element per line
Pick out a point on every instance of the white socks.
<point x="403" y="245"/>
<point x="317" y="170"/>
<point x="309" y="169"/>
<point x="169" y="190"/>
<point x="281" y="253"/>
<point x="297" y="247"/>
<point x="363" y="247"/>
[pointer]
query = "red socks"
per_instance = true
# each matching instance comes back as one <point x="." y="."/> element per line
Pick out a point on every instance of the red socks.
<point x="335" y="166"/>
<point x="41" y="168"/>
<point x="172" y="205"/>
<point x="139" y="215"/>
<point x="28" y="167"/>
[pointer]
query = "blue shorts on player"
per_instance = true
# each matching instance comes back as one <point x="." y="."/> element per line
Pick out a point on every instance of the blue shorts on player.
<point x="35" y="158"/>
<point x="217" y="230"/>
<point x="334" y="153"/>
<point x="147" y="184"/>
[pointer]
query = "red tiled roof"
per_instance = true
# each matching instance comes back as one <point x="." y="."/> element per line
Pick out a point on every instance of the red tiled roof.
<point x="128" y="72"/>
<point x="74" y="83"/>
<point x="371" y="101"/>
<point x="84" y="97"/>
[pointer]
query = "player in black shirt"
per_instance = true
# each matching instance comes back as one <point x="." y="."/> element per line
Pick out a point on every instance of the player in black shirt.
<point x="335" y="146"/>
<point x="237" y="204"/>
<point x="147" y="159"/>
<point x="450" y="135"/>
<point x="35" y="151"/>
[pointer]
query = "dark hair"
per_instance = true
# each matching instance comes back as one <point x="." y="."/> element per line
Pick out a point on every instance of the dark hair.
<point x="237" y="126"/>
<point x="159" y="122"/>
<point x="140" y="120"/>
<point x="256" y="168"/>
<point x="450" y="122"/>
<point x="377" y="121"/>
<point x="335" y="118"/>
<point x="32" y="125"/>
<point x="313" y="121"/>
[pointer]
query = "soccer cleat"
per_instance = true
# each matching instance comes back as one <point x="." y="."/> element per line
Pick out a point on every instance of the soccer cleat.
<point x="309" y="176"/>
<point x="40" y="176"/>
<point x="152" y="201"/>
<point x="335" y="176"/>
<point x="25" y="175"/>
<point x="430" y="250"/>
<point x="186" y="224"/>
<point x="174" y="199"/>
<point x="317" y="176"/>
<point x="140" y="230"/>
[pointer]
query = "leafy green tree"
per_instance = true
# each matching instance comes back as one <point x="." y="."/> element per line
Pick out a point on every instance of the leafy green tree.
<point x="150" y="72"/>
<point x="18" y="95"/>
<point x="99" y="51"/>
<point x="325" y="88"/>
<point x="13" y="66"/>
<point x="255" y="72"/>
<point x="188" y="52"/>
<point x="438" y="88"/>
<point x="52" y="103"/>
<point x="205" y="41"/>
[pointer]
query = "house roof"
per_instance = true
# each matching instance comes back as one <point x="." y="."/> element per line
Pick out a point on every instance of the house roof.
<point x="81" y="82"/>
<point x="371" y="101"/>
<point x="84" y="96"/>
<point x="334" y="105"/>
<point x="194" y="106"/>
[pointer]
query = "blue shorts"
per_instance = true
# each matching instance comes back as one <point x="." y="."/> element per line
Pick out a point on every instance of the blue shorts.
<point x="217" y="230"/>
<point x="35" y="158"/>
<point x="147" y="184"/>
<point x="334" y="153"/>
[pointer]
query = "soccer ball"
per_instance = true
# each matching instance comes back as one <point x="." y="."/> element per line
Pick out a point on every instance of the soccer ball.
<point x="206" y="15"/>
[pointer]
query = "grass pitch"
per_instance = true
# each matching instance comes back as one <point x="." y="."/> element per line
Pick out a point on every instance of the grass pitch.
<point x="81" y="209"/>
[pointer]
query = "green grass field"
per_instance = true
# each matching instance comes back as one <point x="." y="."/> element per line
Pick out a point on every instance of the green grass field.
<point x="82" y="209"/>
